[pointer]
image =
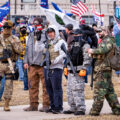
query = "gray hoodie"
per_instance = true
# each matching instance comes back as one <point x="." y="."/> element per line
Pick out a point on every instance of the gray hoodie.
<point x="59" y="60"/>
<point x="33" y="57"/>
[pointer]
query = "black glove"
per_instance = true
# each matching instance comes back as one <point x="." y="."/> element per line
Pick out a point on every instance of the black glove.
<point x="38" y="35"/>
<point x="7" y="53"/>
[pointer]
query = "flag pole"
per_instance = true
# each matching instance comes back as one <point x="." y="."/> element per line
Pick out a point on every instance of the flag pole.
<point x="100" y="10"/>
<point x="9" y="12"/>
<point x="89" y="16"/>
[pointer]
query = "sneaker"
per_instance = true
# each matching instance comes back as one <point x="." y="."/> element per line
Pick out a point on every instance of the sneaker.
<point x="50" y="110"/>
<point x="57" y="111"/>
<point x="25" y="89"/>
<point x="68" y="112"/>
<point x="79" y="113"/>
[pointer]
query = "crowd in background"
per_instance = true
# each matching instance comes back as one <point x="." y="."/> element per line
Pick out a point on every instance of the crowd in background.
<point x="30" y="71"/>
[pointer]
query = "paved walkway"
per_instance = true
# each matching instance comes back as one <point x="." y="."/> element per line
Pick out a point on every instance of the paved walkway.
<point x="17" y="113"/>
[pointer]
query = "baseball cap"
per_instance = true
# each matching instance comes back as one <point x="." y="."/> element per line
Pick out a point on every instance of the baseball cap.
<point x="69" y="26"/>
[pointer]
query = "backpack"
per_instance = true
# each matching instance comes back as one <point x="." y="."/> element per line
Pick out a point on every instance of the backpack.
<point x="114" y="56"/>
<point x="76" y="52"/>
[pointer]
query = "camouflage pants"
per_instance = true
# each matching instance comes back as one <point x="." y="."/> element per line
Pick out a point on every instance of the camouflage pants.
<point x="75" y="93"/>
<point x="8" y="90"/>
<point x="104" y="89"/>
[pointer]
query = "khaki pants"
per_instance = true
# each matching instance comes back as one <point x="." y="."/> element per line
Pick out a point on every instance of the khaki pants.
<point x="8" y="90"/>
<point x="37" y="74"/>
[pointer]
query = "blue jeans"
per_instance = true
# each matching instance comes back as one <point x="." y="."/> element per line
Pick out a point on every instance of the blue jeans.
<point x="54" y="88"/>
<point x="89" y="70"/>
<point x="2" y="87"/>
<point x="22" y="73"/>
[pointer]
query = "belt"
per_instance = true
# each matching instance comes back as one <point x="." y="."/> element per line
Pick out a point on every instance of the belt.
<point x="35" y="65"/>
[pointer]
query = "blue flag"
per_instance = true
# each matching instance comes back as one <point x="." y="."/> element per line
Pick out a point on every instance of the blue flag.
<point x="4" y="10"/>
<point x="60" y="10"/>
<point x="44" y="4"/>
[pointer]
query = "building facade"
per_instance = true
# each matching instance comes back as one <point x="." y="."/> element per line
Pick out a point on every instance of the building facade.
<point x="31" y="8"/>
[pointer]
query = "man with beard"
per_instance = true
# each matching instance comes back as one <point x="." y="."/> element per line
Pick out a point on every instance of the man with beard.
<point x="10" y="48"/>
<point x="103" y="84"/>
<point x="33" y="60"/>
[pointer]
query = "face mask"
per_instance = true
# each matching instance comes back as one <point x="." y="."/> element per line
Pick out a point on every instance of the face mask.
<point x="77" y="38"/>
<point x="23" y="31"/>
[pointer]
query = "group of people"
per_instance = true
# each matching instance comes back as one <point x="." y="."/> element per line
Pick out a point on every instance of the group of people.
<point x="45" y="53"/>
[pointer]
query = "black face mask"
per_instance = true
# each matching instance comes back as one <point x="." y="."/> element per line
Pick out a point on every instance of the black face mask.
<point x="38" y="35"/>
<point x="77" y="38"/>
<point x="23" y="31"/>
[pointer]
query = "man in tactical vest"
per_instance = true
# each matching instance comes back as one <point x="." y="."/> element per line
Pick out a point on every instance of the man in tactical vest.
<point x="77" y="51"/>
<point x="10" y="47"/>
<point x="103" y="84"/>
<point x="53" y="71"/>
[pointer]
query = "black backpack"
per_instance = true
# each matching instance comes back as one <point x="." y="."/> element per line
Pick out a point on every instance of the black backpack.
<point x="76" y="52"/>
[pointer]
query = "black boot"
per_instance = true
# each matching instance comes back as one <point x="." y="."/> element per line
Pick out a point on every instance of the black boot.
<point x="68" y="112"/>
<point x="79" y="113"/>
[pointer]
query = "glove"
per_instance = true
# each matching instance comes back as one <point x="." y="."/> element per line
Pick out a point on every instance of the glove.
<point x="66" y="71"/>
<point x="7" y="53"/>
<point x="82" y="73"/>
<point x="38" y="35"/>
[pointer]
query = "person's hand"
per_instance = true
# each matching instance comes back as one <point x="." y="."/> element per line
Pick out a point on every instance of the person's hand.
<point x="26" y="66"/>
<point x="90" y="51"/>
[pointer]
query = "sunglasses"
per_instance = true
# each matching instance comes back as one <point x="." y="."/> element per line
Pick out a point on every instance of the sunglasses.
<point x="7" y="27"/>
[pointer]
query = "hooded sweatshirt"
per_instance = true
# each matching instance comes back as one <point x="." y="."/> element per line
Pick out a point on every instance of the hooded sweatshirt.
<point x="57" y="42"/>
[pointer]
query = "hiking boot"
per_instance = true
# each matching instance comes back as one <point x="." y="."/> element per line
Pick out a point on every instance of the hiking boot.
<point x="44" y="109"/>
<point x="93" y="114"/>
<point x="68" y="112"/>
<point x="79" y="113"/>
<point x="6" y="105"/>
<point x="31" y="108"/>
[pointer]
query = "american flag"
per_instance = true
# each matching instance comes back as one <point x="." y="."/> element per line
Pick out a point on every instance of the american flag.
<point x="2" y="23"/>
<point x="96" y="13"/>
<point x="78" y="8"/>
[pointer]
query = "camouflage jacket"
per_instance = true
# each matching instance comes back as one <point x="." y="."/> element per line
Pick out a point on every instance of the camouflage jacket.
<point x="101" y="54"/>
<point x="12" y="43"/>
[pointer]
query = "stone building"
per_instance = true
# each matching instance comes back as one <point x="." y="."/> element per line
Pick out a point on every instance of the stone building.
<point x="23" y="8"/>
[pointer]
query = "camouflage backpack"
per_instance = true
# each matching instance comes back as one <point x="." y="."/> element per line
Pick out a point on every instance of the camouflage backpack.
<point x="114" y="56"/>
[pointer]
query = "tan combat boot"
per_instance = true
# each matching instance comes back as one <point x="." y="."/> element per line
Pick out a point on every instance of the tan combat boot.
<point x="6" y="105"/>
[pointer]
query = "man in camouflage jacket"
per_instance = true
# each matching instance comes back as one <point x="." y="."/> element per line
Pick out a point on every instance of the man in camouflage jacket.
<point x="11" y="43"/>
<point x="103" y="84"/>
